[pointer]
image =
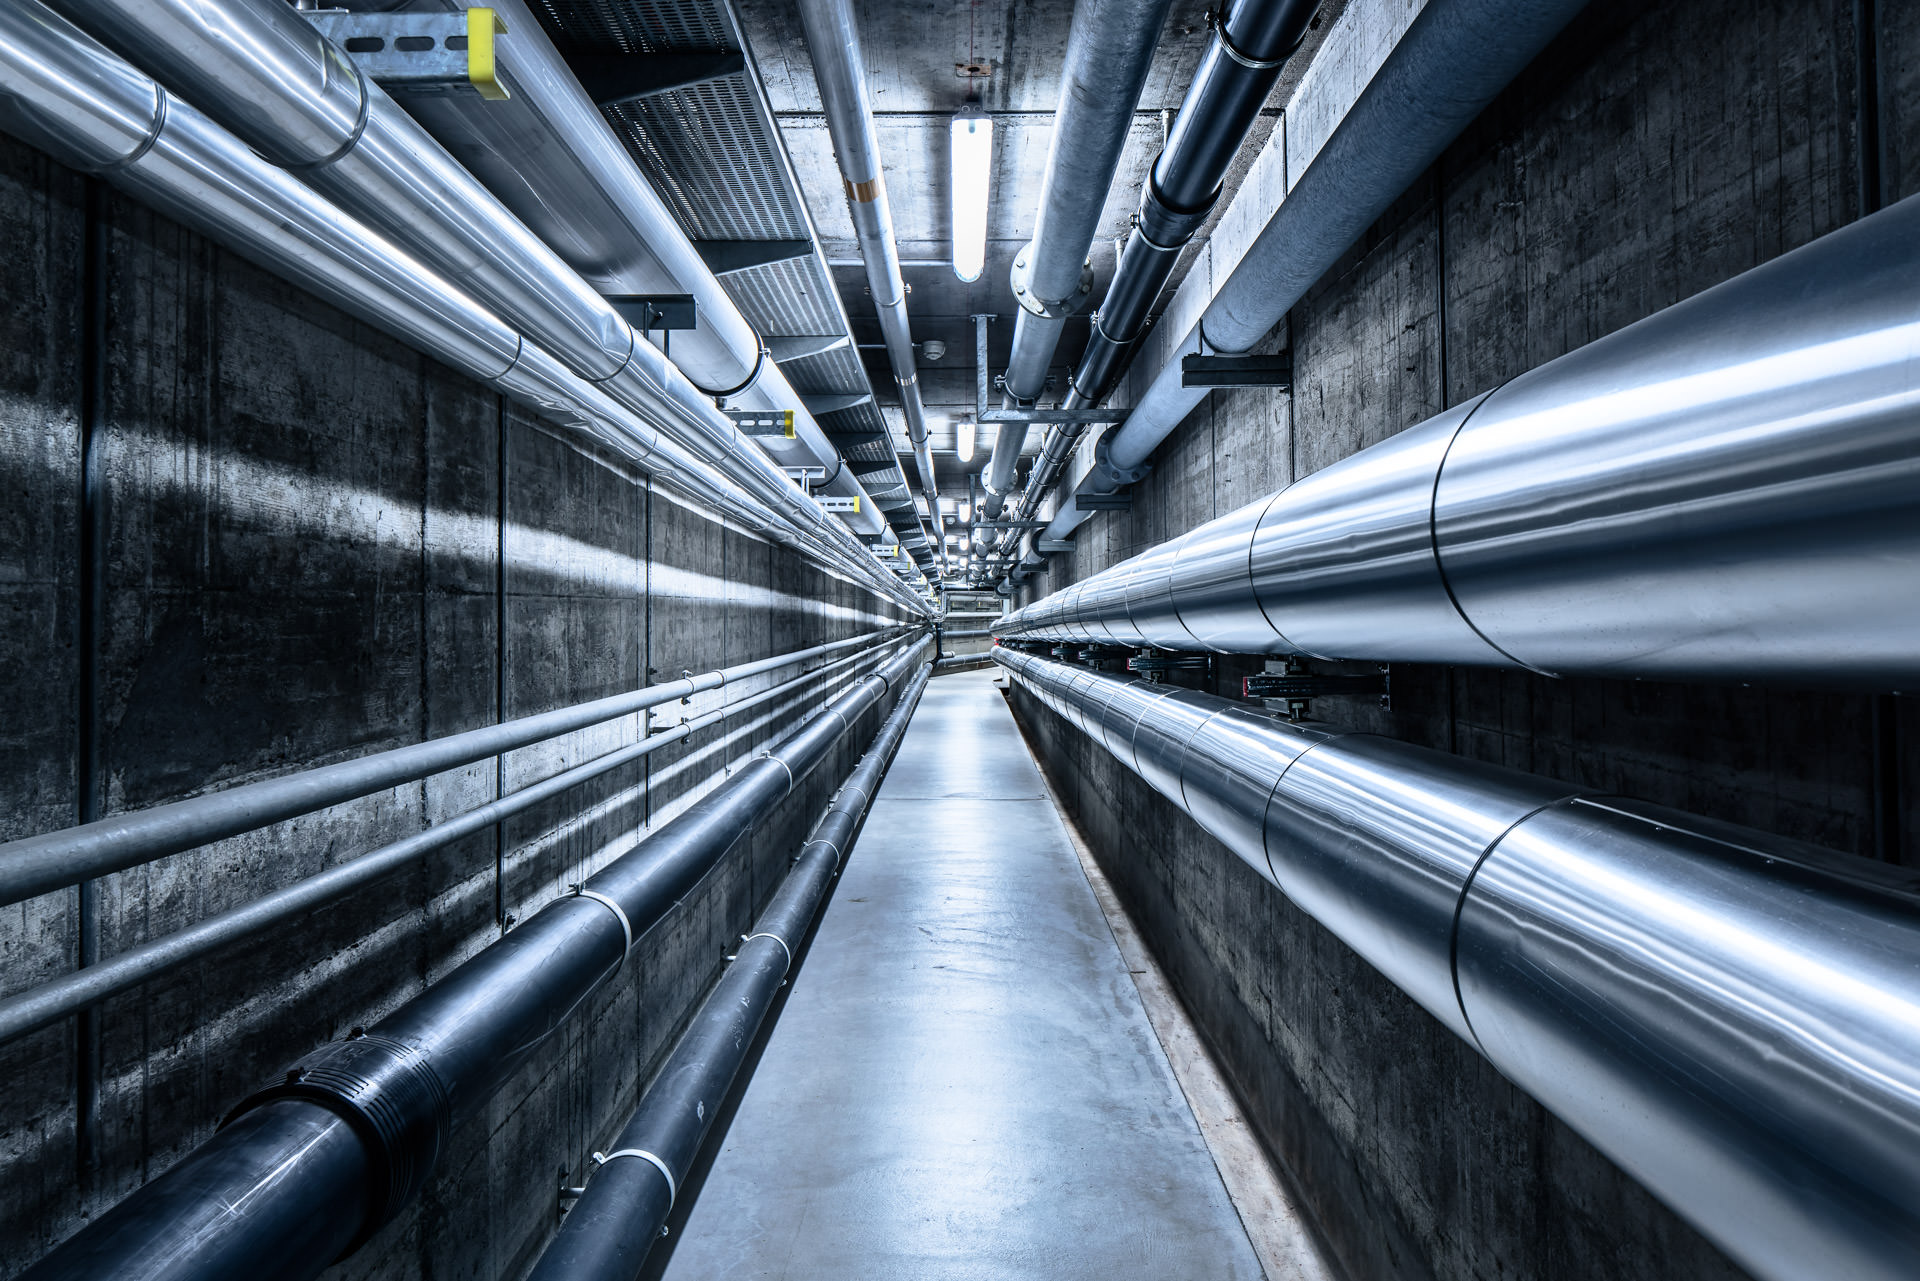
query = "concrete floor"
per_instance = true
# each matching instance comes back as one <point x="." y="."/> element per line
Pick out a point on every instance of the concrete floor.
<point x="963" y="1083"/>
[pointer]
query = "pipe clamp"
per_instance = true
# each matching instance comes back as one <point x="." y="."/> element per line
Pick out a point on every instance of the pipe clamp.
<point x="626" y="926"/>
<point x="673" y="1191"/>
<point x="776" y="938"/>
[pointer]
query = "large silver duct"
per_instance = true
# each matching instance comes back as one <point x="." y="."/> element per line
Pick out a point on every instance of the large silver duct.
<point x="1727" y="490"/>
<point x="833" y="41"/>
<point x="261" y="70"/>
<point x="1453" y="61"/>
<point x="1110" y="49"/>
<point x="1732" y="1018"/>
<point x="68" y="95"/>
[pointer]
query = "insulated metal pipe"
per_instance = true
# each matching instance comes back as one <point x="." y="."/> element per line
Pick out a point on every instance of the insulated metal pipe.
<point x="1110" y="49"/>
<point x="1726" y="490"/>
<point x="403" y="1084"/>
<point x="609" y="1230"/>
<point x="262" y="71"/>
<point x="549" y="156"/>
<point x="1453" y="61"/>
<point x="1251" y="42"/>
<point x="47" y="1003"/>
<point x="1732" y="1018"/>
<point x="64" y="92"/>
<point x="833" y="40"/>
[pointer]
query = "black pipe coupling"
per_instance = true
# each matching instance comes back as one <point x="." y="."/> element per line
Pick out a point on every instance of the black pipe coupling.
<point x="391" y="1096"/>
<point x="1164" y="225"/>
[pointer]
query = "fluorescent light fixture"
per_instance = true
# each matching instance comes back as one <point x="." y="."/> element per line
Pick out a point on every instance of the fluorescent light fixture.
<point x="963" y="441"/>
<point x="965" y="511"/>
<point x="972" y="134"/>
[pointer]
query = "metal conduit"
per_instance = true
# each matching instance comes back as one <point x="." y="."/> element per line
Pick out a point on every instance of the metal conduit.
<point x="833" y="40"/>
<point x="46" y="1003"/>
<point x="550" y="158"/>
<point x="68" y="95"/>
<point x="1726" y="490"/>
<point x="611" y="1228"/>
<point x="39" y="864"/>
<point x="1251" y="42"/>
<point x="1732" y="1018"/>
<point x="1110" y="49"/>
<point x="306" y="1170"/>
<point x="236" y="55"/>
<point x="1453" y="61"/>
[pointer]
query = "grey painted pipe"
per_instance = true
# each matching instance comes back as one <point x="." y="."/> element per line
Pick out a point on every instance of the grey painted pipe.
<point x="261" y="70"/>
<point x="548" y="155"/>
<point x="607" y="1234"/>
<point x="833" y="40"/>
<point x="39" y="864"/>
<point x="1732" y="1018"/>
<point x="47" y="1003"/>
<point x="65" y="93"/>
<point x="1110" y="49"/>
<point x="1453" y="61"/>
<point x="354" y="1130"/>
<point x="1727" y="490"/>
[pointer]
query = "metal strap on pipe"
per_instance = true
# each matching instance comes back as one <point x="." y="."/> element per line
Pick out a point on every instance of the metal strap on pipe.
<point x="673" y="1189"/>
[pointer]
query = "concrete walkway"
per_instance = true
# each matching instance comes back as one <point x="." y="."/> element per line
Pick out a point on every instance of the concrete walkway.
<point x="963" y="1083"/>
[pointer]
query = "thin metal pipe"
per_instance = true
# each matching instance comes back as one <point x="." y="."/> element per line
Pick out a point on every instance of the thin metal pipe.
<point x="46" y="1003"/>
<point x="39" y="864"/>
<point x="1728" y="490"/>
<point x="1110" y="49"/>
<point x="1251" y="42"/>
<point x="1453" y="61"/>
<point x="610" y="1229"/>
<point x="1732" y="1018"/>
<point x="408" y="1080"/>
<point x="833" y="40"/>
<point x="547" y="154"/>
<point x="67" y="94"/>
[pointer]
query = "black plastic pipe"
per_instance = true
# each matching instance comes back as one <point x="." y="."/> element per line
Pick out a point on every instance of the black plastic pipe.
<point x="307" y="1169"/>
<point x="1242" y="64"/>
<point x="617" y="1219"/>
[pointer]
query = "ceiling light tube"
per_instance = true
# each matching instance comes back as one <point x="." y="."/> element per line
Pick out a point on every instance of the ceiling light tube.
<point x="972" y="134"/>
<point x="963" y="439"/>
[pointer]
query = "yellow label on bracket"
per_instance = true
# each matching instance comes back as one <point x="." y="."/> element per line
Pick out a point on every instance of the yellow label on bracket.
<point x="483" y="70"/>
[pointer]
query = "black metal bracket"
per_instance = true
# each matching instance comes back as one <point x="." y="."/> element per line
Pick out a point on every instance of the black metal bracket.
<point x="1237" y="371"/>
<point x="648" y="312"/>
<point x="1290" y="685"/>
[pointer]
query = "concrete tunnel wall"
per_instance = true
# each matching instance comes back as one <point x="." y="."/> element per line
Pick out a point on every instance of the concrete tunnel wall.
<point x="1652" y="151"/>
<point x="305" y="543"/>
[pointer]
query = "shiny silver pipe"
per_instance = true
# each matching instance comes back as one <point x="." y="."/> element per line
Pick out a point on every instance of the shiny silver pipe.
<point x="1110" y="49"/>
<point x="261" y="70"/>
<point x="66" y="93"/>
<point x="547" y="154"/>
<point x="1728" y="490"/>
<point x="833" y="40"/>
<point x="47" y="1003"/>
<point x="1732" y="1018"/>
<point x="1449" y="66"/>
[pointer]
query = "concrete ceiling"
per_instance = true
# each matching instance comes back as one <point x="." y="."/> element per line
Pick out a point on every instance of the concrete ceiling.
<point x="917" y="54"/>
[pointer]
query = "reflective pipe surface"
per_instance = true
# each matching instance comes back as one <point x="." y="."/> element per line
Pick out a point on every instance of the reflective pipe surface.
<point x="1449" y="66"/>
<point x="54" y="87"/>
<point x="49" y="1002"/>
<point x="404" y="1083"/>
<point x="1110" y="49"/>
<point x="548" y="154"/>
<point x="833" y="40"/>
<point x="1728" y="490"/>
<point x="387" y="169"/>
<point x="609" y="1230"/>
<point x="1250" y="44"/>
<point x="1732" y="1018"/>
